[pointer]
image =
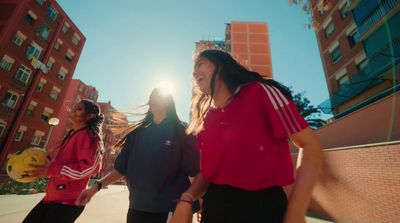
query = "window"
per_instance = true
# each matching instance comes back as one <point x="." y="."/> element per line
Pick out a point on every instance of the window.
<point x="69" y="55"/>
<point x="6" y="62"/>
<point x="46" y="113"/>
<point x="34" y="50"/>
<point x="330" y="28"/>
<point x="52" y="12"/>
<point x="58" y="44"/>
<point x="50" y="63"/>
<point x="31" y="108"/>
<point x="345" y="9"/>
<point x="10" y="100"/>
<point x="19" y="135"/>
<point x="335" y="53"/>
<point x="23" y="74"/>
<point x="351" y="38"/>
<point x="40" y="85"/>
<point x="2" y="127"/>
<point x="54" y="93"/>
<point x="343" y="79"/>
<point x="362" y="65"/>
<point x="37" y="138"/>
<point x="30" y="17"/>
<point x="351" y="33"/>
<point x="62" y="73"/>
<point x="65" y="27"/>
<point x="76" y="39"/>
<point x="19" y="38"/>
<point x="361" y="62"/>
<point x="44" y="32"/>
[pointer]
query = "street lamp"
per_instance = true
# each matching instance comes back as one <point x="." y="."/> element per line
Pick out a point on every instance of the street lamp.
<point x="52" y="122"/>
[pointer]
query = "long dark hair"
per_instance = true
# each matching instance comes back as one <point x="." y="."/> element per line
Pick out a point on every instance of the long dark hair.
<point x="93" y="125"/>
<point x="148" y="116"/>
<point x="233" y="74"/>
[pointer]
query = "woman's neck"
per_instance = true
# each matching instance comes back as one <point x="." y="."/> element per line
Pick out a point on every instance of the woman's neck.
<point x="78" y="126"/>
<point x="158" y="117"/>
<point x="222" y="96"/>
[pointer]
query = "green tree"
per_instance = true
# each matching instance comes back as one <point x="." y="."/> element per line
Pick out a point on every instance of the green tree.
<point x="311" y="113"/>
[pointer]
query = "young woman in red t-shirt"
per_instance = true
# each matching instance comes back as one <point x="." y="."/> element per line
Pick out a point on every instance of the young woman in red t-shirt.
<point x="243" y="124"/>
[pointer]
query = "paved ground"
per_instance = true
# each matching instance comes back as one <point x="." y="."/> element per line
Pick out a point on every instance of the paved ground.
<point x="108" y="206"/>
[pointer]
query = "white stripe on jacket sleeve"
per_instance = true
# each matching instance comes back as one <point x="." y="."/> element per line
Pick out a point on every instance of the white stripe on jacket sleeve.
<point x="74" y="174"/>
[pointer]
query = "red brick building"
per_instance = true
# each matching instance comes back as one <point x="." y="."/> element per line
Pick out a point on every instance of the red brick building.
<point x="39" y="50"/>
<point x="359" y="44"/>
<point x="113" y="119"/>
<point x="342" y="54"/>
<point x="77" y="90"/>
<point x="336" y="40"/>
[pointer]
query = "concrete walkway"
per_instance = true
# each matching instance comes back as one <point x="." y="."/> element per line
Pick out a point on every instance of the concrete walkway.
<point x="108" y="206"/>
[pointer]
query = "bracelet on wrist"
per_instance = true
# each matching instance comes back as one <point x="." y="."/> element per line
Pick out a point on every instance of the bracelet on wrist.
<point x="185" y="201"/>
<point x="187" y="195"/>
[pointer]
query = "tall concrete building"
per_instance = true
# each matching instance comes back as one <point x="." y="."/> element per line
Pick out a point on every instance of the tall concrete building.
<point x="248" y="43"/>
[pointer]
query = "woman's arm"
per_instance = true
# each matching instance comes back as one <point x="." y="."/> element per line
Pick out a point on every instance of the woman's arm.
<point x="183" y="212"/>
<point x="87" y="194"/>
<point x="110" y="178"/>
<point x="309" y="164"/>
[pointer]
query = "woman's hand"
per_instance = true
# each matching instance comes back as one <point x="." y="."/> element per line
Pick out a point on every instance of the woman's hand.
<point x="85" y="196"/>
<point x="294" y="216"/>
<point x="38" y="171"/>
<point x="183" y="213"/>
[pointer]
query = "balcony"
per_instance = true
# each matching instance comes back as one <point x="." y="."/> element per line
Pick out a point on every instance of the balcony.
<point x="386" y="58"/>
<point x="368" y="12"/>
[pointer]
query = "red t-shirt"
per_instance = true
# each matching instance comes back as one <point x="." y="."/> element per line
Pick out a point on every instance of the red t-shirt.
<point x="245" y="144"/>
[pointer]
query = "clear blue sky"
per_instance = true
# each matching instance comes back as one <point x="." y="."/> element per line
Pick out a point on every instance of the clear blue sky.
<point x="131" y="44"/>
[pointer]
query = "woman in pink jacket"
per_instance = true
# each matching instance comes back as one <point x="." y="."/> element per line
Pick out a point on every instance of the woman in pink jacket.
<point x="79" y="157"/>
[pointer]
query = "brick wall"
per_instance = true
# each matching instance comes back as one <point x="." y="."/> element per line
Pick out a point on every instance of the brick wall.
<point x="360" y="184"/>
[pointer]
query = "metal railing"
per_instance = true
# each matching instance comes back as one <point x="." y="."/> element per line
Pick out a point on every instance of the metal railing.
<point x="381" y="10"/>
<point x="366" y="78"/>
